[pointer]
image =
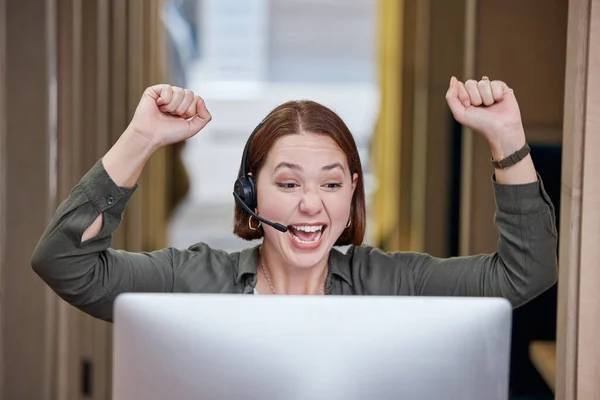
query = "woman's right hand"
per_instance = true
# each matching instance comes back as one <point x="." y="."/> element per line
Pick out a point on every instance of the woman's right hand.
<point x="168" y="114"/>
<point x="165" y="115"/>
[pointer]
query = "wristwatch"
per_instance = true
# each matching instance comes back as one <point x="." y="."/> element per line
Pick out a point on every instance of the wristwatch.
<point x="512" y="159"/>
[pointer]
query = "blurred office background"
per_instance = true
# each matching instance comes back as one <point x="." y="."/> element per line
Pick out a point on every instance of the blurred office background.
<point x="245" y="57"/>
<point x="72" y="72"/>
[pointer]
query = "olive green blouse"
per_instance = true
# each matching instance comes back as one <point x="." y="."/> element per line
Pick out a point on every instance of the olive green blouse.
<point x="90" y="274"/>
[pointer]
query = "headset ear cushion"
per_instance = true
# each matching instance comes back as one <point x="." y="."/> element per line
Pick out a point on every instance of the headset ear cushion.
<point x="244" y="188"/>
<point x="251" y="193"/>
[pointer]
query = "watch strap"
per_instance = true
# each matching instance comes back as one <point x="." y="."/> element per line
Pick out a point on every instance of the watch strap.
<point x="512" y="159"/>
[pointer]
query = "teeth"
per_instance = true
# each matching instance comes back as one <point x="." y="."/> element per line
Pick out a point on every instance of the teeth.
<point x="313" y="228"/>
<point x="307" y="241"/>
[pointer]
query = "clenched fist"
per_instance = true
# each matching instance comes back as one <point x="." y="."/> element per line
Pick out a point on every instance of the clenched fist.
<point x="490" y="109"/>
<point x="168" y="114"/>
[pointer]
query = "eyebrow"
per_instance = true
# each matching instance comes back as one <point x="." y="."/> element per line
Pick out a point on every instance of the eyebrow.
<point x="333" y="166"/>
<point x="297" y="167"/>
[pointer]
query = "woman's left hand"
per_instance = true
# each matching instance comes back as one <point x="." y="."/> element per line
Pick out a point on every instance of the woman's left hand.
<point x="491" y="109"/>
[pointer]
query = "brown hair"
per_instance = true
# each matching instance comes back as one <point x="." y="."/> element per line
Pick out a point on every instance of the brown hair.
<point x="294" y="117"/>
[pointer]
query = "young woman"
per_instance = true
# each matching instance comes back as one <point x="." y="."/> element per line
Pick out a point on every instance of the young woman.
<point x="301" y="177"/>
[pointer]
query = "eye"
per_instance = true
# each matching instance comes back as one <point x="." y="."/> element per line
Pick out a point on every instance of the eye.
<point x="287" y="185"/>
<point x="332" y="186"/>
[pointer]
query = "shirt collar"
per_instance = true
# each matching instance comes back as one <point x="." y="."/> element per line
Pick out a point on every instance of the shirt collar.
<point x="247" y="263"/>
<point x="340" y="264"/>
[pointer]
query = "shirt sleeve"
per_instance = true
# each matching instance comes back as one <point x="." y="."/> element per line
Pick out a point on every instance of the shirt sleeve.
<point x="525" y="264"/>
<point x="89" y="275"/>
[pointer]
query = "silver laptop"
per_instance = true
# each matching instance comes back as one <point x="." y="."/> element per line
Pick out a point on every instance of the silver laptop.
<point x="195" y="346"/>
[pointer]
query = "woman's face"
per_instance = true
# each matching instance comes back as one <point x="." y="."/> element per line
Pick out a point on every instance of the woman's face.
<point x="306" y="185"/>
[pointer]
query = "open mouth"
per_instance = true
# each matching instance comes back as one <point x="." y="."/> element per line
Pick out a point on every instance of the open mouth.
<point x="306" y="234"/>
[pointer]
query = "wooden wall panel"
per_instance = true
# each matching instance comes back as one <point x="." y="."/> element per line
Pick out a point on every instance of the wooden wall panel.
<point x="578" y="342"/>
<point x="159" y="172"/>
<point x="108" y="53"/>
<point x="135" y="86"/>
<point x="468" y="137"/>
<point x="530" y="57"/>
<point x="406" y="111"/>
<point x="420" y="117"/>
<point x="25" y="157"/>
<point x="446" y="58"/>
<point x="102" y="345"/>
<point x="71" y="112"/>
<point x="556" y="107"/>
<point x="588" y="377"/>
<point x="3" y="171"/>
<point x="118" y="82"/>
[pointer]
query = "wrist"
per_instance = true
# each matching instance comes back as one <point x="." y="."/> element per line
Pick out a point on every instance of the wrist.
<point x="142" y="143"/>
<point x="507" y="143"/>
<point x="125" y="160"/>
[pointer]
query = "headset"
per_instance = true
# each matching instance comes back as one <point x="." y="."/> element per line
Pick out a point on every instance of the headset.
<point x="244" y="190"/>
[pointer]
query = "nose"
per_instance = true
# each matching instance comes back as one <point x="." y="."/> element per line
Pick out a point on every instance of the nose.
<point x="311" y="202"/>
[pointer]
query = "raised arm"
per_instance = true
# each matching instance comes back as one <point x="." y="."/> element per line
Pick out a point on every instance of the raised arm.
<point x="165" y="115"/>
<point x="525" y="264"/>
<point x="73" y="255"/>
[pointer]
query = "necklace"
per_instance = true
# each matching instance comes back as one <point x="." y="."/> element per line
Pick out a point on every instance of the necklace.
<point x="262" y="266"/>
